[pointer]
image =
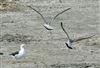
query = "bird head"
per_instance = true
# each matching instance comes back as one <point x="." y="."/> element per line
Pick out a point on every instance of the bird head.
<point x="22" y="45"/>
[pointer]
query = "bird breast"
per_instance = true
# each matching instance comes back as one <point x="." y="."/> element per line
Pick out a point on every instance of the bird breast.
<point x="69" y="43"/>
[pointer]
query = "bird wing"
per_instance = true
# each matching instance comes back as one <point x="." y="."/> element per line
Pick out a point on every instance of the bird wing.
<point x="83" y="38"/>
<point x="61" y="13"/>
<point x="14" y="53"/>
<point x="38" y="13"/>
<point x="65" y="31"/>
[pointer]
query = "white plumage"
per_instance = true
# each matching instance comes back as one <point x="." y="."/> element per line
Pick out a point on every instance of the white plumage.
<point x="20" y="53"/>
<point x="70" y="41"/>
<point x="48" y="27"/>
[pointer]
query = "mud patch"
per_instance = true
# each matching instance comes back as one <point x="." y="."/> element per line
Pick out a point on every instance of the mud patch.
<point x="6" y="5"/>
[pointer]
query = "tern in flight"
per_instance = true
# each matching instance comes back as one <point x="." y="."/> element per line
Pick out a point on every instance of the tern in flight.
<point x="47" y="24"/>
<point x="70" y="41"/>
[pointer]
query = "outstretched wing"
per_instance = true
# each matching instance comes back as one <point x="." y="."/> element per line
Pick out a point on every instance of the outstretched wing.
<point x="14" y="53"/>
<point x="83" y="38"/>
<point x="65" y="31"/>
<point x="38" y="13"/>
<point x="61" y="13"/>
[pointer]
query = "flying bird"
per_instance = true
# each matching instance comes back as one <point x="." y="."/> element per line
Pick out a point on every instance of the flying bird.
<point x="70" y="41"/>
<point x="20" y="53"/>
<point x="47" y="24"/>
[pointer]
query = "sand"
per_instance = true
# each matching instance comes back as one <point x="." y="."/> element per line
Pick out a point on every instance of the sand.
<point x="45" y="49"/>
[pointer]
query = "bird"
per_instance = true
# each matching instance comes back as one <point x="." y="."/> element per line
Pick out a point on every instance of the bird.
<point x="19" y="54"/>
<point x="70" y="41"/>
<point x="47" y="25"/>
<point x="1" y="53"/>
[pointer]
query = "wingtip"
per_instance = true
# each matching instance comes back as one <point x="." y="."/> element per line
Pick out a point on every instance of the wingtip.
<point x="61" y="23"/>
<point x="28" y="6"/>
<point x="69" y="8"/>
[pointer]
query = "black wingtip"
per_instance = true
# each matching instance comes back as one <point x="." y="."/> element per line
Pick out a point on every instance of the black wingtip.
<point x="68" y="8"/>
<point x="61" y="12"/>
<point x="68" y="46"/>
<point x="61" y="23"/>
<point x="28" y="6"/>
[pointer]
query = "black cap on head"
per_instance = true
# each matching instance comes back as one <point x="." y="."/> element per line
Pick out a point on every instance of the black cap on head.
<point x="68" y="46"/>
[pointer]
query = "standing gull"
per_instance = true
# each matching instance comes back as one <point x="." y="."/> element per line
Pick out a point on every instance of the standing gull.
<point x="70" y="41"/>
<point x="47" y="24"/>
<point x="20" y="53"/>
